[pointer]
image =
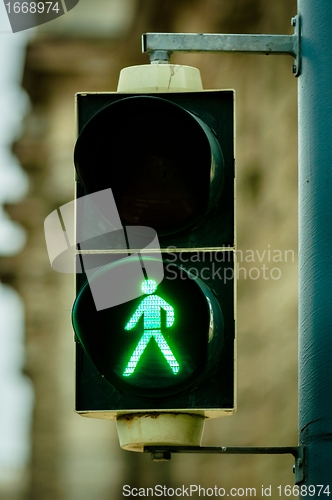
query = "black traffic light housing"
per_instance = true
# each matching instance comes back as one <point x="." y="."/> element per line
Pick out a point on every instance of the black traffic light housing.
<point x="119" y="133"/>
<point x="169" y="160"/>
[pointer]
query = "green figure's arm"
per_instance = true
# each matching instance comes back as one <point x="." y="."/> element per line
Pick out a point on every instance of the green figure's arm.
<point x="135" y="317"/>
<point x="169" y="311"/>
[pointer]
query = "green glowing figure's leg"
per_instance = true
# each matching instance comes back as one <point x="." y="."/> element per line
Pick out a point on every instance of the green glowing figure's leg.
<point x="163" y="346"/>
<point x="135" y="357"/>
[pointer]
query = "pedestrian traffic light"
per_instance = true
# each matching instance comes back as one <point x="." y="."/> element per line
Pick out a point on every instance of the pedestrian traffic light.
<point x="161" y="343"/>
<point x="165" y="154"/>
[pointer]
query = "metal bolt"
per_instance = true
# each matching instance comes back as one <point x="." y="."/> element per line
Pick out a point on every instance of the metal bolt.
<point x="161" y="456"/>
<point x="294" y="69"/>
<point x="299" y="464"/>
<point x="293" y="21"/>
<point x="159" y="57"/>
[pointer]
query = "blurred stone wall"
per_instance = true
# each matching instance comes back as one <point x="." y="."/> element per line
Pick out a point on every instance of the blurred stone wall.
<point x="79" y="459"/>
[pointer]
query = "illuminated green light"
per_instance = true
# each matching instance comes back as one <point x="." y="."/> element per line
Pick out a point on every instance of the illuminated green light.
<point x="159" y="338"/>
<point x="150" y="309"/>
<point x="149" y="286"/>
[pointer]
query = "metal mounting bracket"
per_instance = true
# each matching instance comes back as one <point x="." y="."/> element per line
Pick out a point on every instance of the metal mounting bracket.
<point x="160" y="46"/>
<point x="163" y="453"/>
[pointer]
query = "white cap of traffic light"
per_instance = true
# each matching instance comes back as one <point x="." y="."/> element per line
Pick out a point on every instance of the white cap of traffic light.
<point x="160" y="78"/>
<point x="159" y="429"/>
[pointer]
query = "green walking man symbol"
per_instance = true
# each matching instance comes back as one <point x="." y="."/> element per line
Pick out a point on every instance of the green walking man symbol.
<point x="150" y="309"/>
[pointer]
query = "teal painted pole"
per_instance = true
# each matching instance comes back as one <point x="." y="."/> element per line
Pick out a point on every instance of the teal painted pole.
<point x="315" y="241"/>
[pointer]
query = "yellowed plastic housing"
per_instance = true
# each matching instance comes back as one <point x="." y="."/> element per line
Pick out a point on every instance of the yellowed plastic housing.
<point x="159" y="78"/>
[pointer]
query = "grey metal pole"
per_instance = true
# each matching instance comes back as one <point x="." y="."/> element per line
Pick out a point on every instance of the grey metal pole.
<point x="315" y="241"/>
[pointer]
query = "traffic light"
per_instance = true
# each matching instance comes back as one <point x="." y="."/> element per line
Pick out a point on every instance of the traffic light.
<point x="174" y="314"/>
<point x="165" y="160"/>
